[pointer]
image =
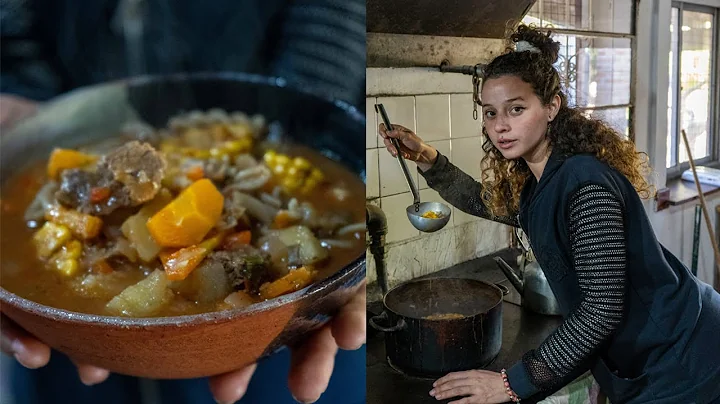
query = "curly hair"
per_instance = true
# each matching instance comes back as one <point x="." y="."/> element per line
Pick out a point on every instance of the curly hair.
<point x="570" y="133"/>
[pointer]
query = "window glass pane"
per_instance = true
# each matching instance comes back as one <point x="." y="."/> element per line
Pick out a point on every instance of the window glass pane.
<point x="695" y="73"/>
<point x="672" y="140"/>
<point x="593" y="15"/>
<point x="616" y="118"/>
<point x="595" y="71"/>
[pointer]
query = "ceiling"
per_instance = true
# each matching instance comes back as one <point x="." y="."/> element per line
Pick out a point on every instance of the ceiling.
<point x="456" y="18"/>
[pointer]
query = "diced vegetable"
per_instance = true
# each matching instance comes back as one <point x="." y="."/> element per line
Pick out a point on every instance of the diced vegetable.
<point x="188" y="218"/>
<point x="237" y="239"/>
<point x="207" y="283"/>
<point x="195" y="173"/>
<point x="239" y="299"/>
<point x="283" y="219"/>
<point x="66" y="260"/>
<point x="99" y="194"/>
<point x="311" y="251"/>
<point x="179" y="264"/>
<point x="143" y="299"/>
<point x="82" y="226"/>
<point x="102" y="267"/>
<point x="136" y="231"/>
<point x="293" y="281"/>
<point x="294" y="174"/>
<point x="50" y="237"/>
<point x="63" y="159"/>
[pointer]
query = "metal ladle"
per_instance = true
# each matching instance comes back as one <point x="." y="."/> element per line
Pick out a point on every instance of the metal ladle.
<point x="416" y="211"/>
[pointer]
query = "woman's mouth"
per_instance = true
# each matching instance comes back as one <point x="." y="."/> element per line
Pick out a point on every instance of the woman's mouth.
<point x="506" y="143"/>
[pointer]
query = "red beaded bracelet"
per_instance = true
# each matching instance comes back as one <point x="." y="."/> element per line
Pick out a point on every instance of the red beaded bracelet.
<point x="513" y="397"/>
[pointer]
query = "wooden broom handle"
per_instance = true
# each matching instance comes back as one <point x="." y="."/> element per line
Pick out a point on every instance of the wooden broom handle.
<point x="711" y="233"/>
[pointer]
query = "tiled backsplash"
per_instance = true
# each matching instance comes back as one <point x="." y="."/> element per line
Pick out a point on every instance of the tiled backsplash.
<point x="445" y="122"/>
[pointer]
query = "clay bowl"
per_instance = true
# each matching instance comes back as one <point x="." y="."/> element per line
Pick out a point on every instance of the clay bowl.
<point x="194" y="345"/>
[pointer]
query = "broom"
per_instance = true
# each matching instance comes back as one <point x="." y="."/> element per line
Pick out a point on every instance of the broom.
<point x="711" y="233"/>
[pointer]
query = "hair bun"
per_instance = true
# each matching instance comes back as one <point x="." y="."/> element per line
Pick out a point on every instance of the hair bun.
<point x="534" y="40"/>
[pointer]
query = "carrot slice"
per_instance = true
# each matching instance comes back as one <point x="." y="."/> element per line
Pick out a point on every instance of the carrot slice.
<point x="188" y="218"/>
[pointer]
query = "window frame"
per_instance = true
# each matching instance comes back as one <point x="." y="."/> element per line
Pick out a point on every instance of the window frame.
<point x="713" y="159"/>
<point x="632" y="36"/>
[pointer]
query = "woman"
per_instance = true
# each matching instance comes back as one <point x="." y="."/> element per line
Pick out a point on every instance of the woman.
<point x="633" y="313"/>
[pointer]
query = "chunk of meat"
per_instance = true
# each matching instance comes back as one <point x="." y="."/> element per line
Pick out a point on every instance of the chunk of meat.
<point x="129" y="176"/>
<point x="139" y="167"/>
<point x="246" y="267"/>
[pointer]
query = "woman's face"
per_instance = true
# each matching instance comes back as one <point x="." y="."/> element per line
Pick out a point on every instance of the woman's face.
<point x="515" y="118"/>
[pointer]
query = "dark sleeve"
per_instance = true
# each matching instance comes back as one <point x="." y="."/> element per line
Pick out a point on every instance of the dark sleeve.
<point x="597" y="238"/>
<point x="460" y="190"/>
<point x="25" y="69"/>
<point x="321" y="44"/>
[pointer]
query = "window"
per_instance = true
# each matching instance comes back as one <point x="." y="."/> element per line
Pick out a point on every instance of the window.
<point x="692" y="104"/>
<point x="596" y="56"/>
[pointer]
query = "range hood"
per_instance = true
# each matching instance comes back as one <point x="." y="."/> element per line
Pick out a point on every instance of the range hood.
<point x="453" y="18"/>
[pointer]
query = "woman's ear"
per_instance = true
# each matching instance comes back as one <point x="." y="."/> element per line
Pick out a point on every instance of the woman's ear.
<point x="554" y="107"/>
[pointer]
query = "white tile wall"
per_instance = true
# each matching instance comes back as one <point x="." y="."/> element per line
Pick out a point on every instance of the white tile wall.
<point x="433" y="116"/>
<point x="461" y="116"/>
<point x="467" y="153"/>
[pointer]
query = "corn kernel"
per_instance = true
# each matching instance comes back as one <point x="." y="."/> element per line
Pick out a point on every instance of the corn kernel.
<point x="73" y="249"/>
<point x="291" y="183"/>
<point x="307" y="188"/>
<point x="293" y="171"/>
<point x="282" y="159"/>
<point x="269" y="158"/>
<point x="216" y="152"/>
<point x="202" y="154"/>
<point x="234" y="146"/>
<point x="68" y="266"/>
<point x="301" y="163"/>
<point x="279" y="170"/>
<point x="50" y="237"/>
<point x="317" y="175"/>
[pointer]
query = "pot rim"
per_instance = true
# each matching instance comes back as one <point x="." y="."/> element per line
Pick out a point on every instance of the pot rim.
<point x="314" y="290"/>
<point x="457" y="278"/>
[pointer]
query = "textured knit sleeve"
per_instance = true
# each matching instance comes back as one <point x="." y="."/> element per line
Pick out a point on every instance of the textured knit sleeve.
<point x="460" y="190"/>
<point x="599" y="256"/>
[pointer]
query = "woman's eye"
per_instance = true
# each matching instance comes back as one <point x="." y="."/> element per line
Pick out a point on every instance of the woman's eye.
<point x="489" y="114"/>
<point x="517" y="110"/>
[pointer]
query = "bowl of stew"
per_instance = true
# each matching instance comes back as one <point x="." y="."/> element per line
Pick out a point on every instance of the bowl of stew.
<point x="181" y="226"/>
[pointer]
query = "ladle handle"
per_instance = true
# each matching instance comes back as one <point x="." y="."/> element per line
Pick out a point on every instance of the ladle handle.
<point x="416" y="195"/>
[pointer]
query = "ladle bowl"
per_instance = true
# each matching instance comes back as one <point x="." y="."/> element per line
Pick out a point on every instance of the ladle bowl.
<point x="429" y="225"/>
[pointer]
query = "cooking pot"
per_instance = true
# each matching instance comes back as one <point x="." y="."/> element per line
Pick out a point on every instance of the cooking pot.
<point x="435" y="326"/>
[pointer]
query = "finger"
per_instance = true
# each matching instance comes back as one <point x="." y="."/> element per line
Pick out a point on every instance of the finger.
<point x="382" y="130"/>
<point x="455" y="392"/>
<point x="91" y="375"/>
<point x="349" y="326"/>
<point x="26" y="349"/>
<point x="231" y="387"/>
<point x="451" y="385"/>
<point x="452" y="376"/>
<point x="312" y="365"/>
<point x="391" y="148"/>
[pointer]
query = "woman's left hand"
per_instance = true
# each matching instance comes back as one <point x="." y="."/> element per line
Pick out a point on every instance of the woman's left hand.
<point x="312" y="363"/>
<point x="478" y="387"/>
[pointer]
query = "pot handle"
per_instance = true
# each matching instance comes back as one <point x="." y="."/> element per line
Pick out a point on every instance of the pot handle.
<point x="503" y="288"/>
<point x="383" y="316"/>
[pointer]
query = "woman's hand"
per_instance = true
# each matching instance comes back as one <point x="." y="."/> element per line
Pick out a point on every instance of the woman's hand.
<point x="312" y="362"/>
<point x="14" y="109"/>
<point x="33" y="354"/>
<point x="478" y="387"/>
<point x="411" y="145"/>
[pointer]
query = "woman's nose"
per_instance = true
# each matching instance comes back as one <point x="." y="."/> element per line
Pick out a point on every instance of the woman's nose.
<point x="501" y="125"/>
